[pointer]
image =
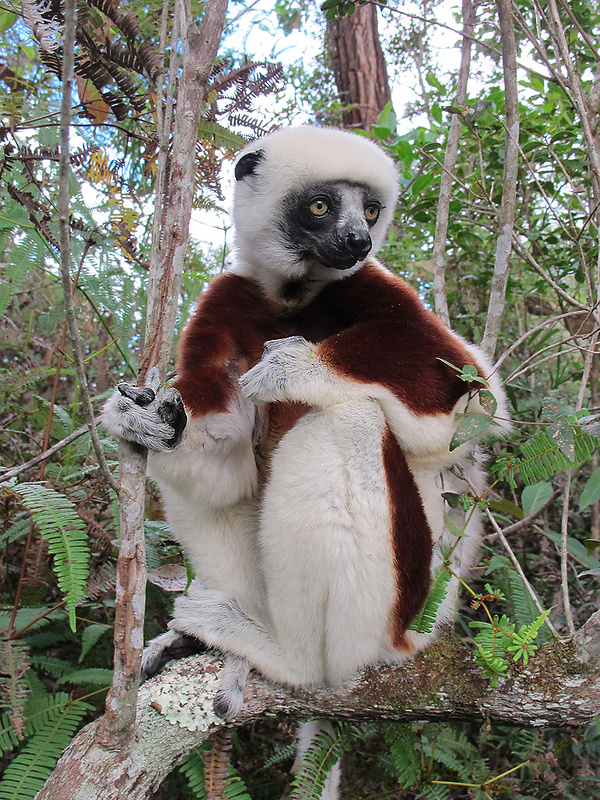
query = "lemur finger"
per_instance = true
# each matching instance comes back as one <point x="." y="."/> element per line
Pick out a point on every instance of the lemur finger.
<point x="141" y="397"/>
<point x="171" y="410"/>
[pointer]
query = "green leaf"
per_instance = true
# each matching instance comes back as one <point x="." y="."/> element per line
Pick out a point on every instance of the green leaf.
<point x="563" y="435"/>
<point x="470" y="425"/>
<point x="575" y="548"/>
<point x="505" y="506"/>
<point x="58" y="522"/>
<point x="425" y="619"/>
<point x="220" y="135"/>
<point x="488" y="402"/>
<point x="90" y="637"/>
<point x="7" y="19"/>
<point x="591" y="490"/>
<point x="535" y="496"/>
<point x="433" y="81"/>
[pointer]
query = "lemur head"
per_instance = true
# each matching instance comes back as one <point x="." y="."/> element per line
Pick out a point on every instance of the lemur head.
<point x="309" y="205"/>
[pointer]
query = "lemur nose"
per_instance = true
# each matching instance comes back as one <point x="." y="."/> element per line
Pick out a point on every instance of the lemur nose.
<point x="358" y="244"/>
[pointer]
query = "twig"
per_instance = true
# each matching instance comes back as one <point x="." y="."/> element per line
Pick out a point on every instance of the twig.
<point x="506" y="218"/>
<point x="64" y="235"/>
<point x="198" y="53"/>
<point x="12" y="473"/>
<point x="443" y="207"/>
<point x="564" y="574"/>
<point x="519" y="569"/>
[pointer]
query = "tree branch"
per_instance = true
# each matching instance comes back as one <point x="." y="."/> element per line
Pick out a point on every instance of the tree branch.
<point x="174" y="713"/>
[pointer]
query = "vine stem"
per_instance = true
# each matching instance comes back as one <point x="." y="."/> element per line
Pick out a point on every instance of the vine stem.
<point x="64" y="235"/>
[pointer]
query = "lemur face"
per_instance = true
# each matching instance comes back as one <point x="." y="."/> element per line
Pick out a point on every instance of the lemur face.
<point x="310" y="205"/>
<point x="329" y="223"/>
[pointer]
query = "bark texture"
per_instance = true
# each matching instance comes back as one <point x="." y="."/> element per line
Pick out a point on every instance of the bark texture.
<point x="174" y="712"/>
<point x="359" y="66"/>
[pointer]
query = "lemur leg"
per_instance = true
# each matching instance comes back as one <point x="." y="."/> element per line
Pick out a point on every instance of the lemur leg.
<point x="306" y="733"/>
<point x="326" y="557"/>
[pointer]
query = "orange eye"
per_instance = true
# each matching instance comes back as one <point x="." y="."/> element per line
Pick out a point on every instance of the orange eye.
<point x="319" y="207"/>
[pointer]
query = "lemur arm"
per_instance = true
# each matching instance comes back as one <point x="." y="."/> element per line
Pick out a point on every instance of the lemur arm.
<point x="397" y="356"/>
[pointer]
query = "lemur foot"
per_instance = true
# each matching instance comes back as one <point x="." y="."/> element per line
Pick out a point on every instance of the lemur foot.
<point x="167" y="647"/>
<point x="283" y="363"/>
<point x="230" y="697"/>
<point x="136" y="415"/>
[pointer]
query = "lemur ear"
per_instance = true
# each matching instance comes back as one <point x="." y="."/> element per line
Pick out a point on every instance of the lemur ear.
<point x="247" y="164"/>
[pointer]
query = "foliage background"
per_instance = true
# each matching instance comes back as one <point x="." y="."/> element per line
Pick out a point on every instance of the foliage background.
<point x="56" y="657"/>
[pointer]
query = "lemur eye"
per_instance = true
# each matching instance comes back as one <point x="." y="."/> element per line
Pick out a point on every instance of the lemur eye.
<point x="319" y="207"/>
<point x="372" y="212"/>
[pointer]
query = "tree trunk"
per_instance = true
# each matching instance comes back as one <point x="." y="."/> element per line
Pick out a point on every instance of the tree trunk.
<point x="359" y="67"/>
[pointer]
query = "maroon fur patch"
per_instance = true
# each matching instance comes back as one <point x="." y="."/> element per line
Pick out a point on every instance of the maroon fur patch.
<point x="224" y="338"/>
<point x="411" y="539"/>
<point x="391" y="339"/>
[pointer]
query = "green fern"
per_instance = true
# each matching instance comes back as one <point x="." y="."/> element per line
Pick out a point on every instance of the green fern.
<point x="19" y="263"/>
<point x="28" y="771"/>
<point x="235" y="789"/>
<point x="435" y="792"/>
<point x="425" y="619"/>
<point x="541" y="456"/>
<point x="192" y="766"/>
<point x="401" y="741"/>
<point x="88" y="677"/>
<point x="90" y="637"/>
<point x="452" y="749"/>
<point x="324" y="752"/>
<point x="59" y="524"/>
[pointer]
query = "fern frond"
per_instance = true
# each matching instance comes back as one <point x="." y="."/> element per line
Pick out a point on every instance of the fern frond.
<point x="90" y="637"/>
<point x="324" y="752"/>
<point x="425" y="619"/>
<point x="53" y="666"/>
<point x="192" y="767"/>
<point x="235" y="789"/>
<point x="88" y="677"/>
<point x="541" y="457"/>
<point x="401" y="741"/>
<point x="452" y="749"/>
<point x="58" y="522"/>
<point x="28" y="771"/>
<point x="435" y="792"/>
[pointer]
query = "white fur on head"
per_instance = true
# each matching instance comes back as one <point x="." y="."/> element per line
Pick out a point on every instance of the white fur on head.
<point x="293" y="159"/>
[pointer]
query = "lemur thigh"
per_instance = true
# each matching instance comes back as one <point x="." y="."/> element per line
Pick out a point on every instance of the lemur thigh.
<point x="327" y="561"/>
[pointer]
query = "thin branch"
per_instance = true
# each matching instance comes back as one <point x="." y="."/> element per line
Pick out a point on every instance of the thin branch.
<point x="509" y="192"/>
<point x="72" y="437"/>
<point x="64" y="235"/>
<point x="564" y="553"/>
<point x="551" y="321"/>
<point x="519" y="569"/>
<point x="198" y="53"/>
<point x="443" y="207"/>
